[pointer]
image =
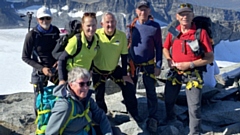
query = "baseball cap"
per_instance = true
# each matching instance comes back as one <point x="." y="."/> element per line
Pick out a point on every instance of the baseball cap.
<point x="184" y="7"/>
<point x="143" y="3"/>
<point x="44" y="12"/>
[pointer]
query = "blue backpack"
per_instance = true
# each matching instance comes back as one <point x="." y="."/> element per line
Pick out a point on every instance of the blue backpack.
<point x="45" y="102"/>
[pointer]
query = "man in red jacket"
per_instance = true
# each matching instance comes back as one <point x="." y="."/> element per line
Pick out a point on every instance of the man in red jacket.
<point x="186" y="66"/>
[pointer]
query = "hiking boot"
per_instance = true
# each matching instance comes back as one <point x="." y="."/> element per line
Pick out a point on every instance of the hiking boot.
<point x="152" y="125"/>
<point x="220" y="79"/>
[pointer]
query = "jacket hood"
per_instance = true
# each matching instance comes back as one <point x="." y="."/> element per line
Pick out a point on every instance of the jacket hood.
<point x="60" y="90"/>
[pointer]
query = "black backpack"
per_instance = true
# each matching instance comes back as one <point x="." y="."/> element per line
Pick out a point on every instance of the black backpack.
<point x="201" y="22"/>
<point x="73" y="29"/>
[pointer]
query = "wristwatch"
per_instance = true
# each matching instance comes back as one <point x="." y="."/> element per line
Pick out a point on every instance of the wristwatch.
<point x="192" y="65"/>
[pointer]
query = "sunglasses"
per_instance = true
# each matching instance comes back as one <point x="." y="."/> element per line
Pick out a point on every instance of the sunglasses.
<point x="183" y="5"/>
<point x="45" y="18"/>
<point x="92" y="14"/>
<point x="82" y="84"/>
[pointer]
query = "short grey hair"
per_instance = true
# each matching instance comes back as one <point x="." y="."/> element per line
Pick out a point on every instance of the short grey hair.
<point x="108" y="13"/>
<point x="78" y="73"/>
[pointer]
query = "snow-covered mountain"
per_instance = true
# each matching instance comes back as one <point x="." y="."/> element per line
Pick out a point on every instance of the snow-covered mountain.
<point x="162" y="10"/>
<point x="221" y="4"/>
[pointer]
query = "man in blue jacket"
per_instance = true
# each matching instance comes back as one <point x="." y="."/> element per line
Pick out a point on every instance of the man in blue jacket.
<point x="146" y="53"/>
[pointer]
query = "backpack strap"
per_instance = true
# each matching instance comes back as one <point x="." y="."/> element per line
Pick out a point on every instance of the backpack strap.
<point x="198" y="32"/>
<point x="172" y="29"/>
<point x="79" y="45"/>
<point x="130" y="31"/>
<point x="36" y="41"/>
<point x="73" y="115"/>
<point x="69" y="118"/>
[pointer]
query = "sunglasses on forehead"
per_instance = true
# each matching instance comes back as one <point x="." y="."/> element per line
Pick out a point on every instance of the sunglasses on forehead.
<point x="183" y="5"/>
<point x="45" y="18"/>
<point x="82" y="84"/>
<point x="89" y="14"/>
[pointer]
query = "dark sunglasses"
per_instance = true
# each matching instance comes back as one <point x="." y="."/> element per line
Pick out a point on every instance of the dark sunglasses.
<point x="82" y="84"/>
<point x="46" y="18"/>
<point x="92" y="14"/>
<point x="183" y="5"/>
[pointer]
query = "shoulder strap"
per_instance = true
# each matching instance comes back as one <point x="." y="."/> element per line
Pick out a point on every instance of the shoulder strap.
<point x="172" y="30"/>
<point x="79" y="44"/>
<point x="69" y="117"/>
<point x="35" y="43"/>
<point x="130" y="31"/>
<point x="198" y="32"/>
<point x="73" y="116"/>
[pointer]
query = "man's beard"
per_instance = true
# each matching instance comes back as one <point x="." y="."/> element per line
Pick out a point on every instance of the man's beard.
<point x="45" y="26"/>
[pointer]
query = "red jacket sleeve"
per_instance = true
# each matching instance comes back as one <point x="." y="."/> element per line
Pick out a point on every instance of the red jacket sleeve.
<point x="168" y="41"/>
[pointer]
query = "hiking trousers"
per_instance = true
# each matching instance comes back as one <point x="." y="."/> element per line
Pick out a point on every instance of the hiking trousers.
<point x="39" y="81"/>
<point x="128" y="92"/>
<point x="115" y="130"/>
<point x="194" y="97"/>
<point x="149" y="84"/>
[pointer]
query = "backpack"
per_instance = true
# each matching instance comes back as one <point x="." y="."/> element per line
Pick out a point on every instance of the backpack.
<point x="45" y="102"/>
<point x="73" y="28"/>
<point x="201" y="22"/>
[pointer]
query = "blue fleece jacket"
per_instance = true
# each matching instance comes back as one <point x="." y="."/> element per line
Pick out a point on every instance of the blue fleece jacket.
<point x="146" y="43"/>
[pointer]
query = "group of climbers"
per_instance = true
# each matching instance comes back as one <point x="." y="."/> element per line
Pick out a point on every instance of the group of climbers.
<point x="74" y="111"/>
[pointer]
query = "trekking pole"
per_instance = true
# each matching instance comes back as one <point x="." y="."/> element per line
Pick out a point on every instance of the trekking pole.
<point x="29" y="15"/>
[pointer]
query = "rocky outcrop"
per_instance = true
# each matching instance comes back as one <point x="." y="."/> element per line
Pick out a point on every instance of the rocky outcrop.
<point x="220" y="111"/>
<point x="220" y="114"/>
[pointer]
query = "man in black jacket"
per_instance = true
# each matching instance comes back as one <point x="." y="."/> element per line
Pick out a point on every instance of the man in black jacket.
<point x="37" y="49"/>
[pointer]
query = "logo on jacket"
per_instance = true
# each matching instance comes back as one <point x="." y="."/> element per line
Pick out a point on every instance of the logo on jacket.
<point x="117" y="42"/>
